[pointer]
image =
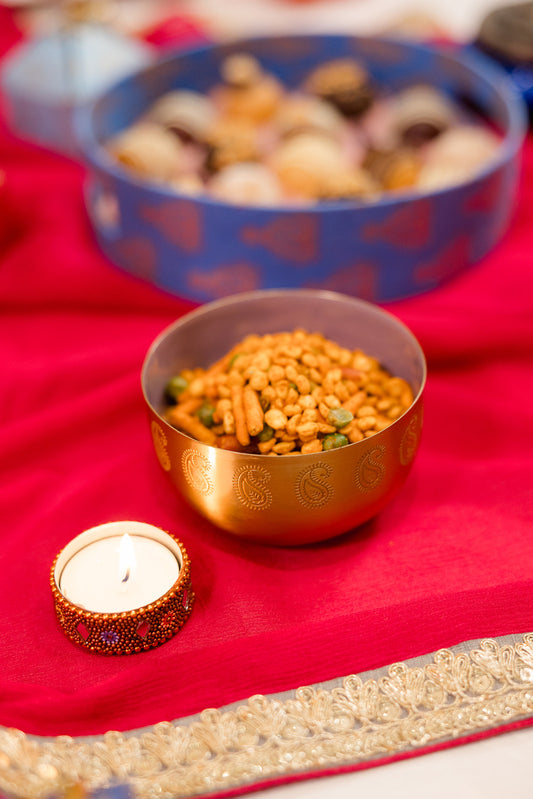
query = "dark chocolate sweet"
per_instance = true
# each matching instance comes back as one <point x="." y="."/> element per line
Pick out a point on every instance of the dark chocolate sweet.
<point x="343" y="83"/>
<point x="420" y="132"/>
<point x="420" y="113"/>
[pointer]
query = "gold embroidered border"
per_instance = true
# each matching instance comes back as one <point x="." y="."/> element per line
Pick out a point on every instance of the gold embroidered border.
<point x="454" y="694"/>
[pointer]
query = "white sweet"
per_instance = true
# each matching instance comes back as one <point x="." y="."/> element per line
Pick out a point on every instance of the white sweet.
<point x="302" y="111"/>
<point x="246" y="183"/>
<point x="422" y="103"/>
<point x="149" y="150"/>
<point x="192" y="111"/>
<point x="313" y="152"/>
<point x="456" y="155"/>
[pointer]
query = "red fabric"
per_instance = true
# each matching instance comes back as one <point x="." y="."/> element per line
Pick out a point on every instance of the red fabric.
<point x="450" y="559"/>
<point x="176" y="30"/>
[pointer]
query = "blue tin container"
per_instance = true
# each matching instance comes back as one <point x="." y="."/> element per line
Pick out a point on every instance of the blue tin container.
<point x="202" y="249"/>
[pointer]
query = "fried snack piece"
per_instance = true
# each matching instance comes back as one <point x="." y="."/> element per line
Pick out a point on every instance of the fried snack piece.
<point x="289" y="392"/>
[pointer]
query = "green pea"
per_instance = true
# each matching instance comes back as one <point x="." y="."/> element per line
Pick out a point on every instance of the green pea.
<point x="205" y="414"/>
<point x="175" y="386"/>
<point x="266" y="433"/>
<point x="334" y="441"/>
<point x="234" y="359"/>
<point x="339" y="417"/>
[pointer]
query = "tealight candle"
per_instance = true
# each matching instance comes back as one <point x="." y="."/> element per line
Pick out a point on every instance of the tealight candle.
<point x="122" y="587"/>
<point x="100" y="578"/>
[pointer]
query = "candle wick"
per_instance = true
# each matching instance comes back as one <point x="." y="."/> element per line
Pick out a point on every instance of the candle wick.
<point x="126" y="576"/>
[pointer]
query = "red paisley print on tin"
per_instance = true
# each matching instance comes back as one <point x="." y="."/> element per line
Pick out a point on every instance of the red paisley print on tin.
<point x="447" y="263"/>
<point x="407" y="227"/>
<point x="292" y="237"/>
<point x="179" y="221"/>
<point x="225" y="280"/>
<point x="358" y="280"/>
<point x="138" y="255"/>
<point x="485" y="197"/>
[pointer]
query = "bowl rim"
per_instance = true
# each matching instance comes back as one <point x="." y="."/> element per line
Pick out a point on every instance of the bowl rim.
<point x="236" y="299"/>
<point x="476" y="62"/>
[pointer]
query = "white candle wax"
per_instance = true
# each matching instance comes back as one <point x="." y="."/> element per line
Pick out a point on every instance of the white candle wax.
<point x="93" y="577"/>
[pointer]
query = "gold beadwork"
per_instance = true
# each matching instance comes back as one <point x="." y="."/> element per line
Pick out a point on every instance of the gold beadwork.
<point x="404" y="708"/>
<point x="132" y="631"/>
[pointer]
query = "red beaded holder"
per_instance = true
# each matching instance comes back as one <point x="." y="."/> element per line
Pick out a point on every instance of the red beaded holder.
<point x="130" y="631"/>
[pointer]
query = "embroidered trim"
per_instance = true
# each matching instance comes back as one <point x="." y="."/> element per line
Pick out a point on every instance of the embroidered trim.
<point x="350" y="722"/>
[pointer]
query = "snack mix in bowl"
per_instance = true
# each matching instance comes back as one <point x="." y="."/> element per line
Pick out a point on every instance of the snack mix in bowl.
<point x="286" y="393"/>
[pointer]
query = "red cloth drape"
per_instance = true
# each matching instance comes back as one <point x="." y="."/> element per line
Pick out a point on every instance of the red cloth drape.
<point x="450" y="559"/>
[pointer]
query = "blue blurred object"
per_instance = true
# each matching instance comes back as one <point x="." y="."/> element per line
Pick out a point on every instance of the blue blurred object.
<point x="46" y="80"/>
<point x="400" y="246"/>
<point x="113" y="792"/>
<point x="520" y="74"/>
<point x="506" y="35"/>
<point x="79" y="791"/>
<point x="522" y="77"/>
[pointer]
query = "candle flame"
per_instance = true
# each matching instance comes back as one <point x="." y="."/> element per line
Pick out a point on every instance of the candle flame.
<point x="126" y="558"/>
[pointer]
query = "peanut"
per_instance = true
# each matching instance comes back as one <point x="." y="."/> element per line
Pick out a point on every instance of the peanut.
<point x="354" y="403"/>
<point x="284" y="447"/>
<point x="261" y="361"/>
<point x="275" y="373"/>
<point x="275" y="419"/>
<point x="258" y="381"/>
<point x="366" y="423"/>
<point x="309" y="359"/>
<point x="291" y="410"/>
<point x="266" y="446"/>
<point x="311" y="446"/>
<point x="307" y="401"/>
<point x="291" y="373"/>
<point x="332" y="401"/>
<point x="395" y="412"/>
<point x="307" y="430"/>
<point x="355" y="435"/>
<point x="293" y="423"/>
<point x="302" y="384"/>
<point x="366" y="410"/>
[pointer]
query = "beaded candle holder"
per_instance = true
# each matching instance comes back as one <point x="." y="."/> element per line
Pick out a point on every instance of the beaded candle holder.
<point x="122" y="587"/>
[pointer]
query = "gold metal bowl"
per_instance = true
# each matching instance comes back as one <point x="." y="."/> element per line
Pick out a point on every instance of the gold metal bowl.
<point x="296" y="498"/>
